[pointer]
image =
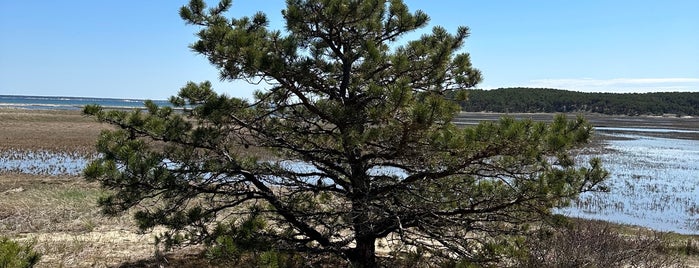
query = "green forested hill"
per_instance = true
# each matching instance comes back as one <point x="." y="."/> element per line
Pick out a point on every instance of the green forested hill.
<point x="532" y="100"/>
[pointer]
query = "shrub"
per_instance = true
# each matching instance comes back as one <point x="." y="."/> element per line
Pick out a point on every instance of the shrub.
<point x="16" y="255"/>
<point x="585" y="243"/>
<point x="244" y="244"/>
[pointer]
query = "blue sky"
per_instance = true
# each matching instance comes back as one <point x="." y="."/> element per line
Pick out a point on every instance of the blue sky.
<point x="138" y="49"/>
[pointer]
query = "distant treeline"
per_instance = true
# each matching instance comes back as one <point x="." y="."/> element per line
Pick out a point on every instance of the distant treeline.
<point x="536" y="100"/>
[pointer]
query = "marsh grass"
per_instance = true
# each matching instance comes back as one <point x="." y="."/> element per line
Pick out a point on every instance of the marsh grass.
<point x="94" y="249"/>
<point x="654" y="182"/>
<point x="54" y="131"/>
<point x="686" y="245"/>
<point x="46" y="205"/>
<point x="61" y="215"/>
<point x="44" y="162"/>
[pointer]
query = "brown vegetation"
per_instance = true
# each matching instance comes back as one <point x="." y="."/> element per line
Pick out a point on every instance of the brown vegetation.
<point x="590" y="243"/>
<point x="64" y="131"/>
<point x="61" y="215"/>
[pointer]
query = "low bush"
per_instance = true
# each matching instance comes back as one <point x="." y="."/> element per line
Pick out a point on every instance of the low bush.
<point x="585" y="243"/>
<point x="17" y="255"/>
<point x="245" y="244"/>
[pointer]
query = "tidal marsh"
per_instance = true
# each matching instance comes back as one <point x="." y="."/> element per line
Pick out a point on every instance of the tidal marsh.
<point x="43" y="197"/>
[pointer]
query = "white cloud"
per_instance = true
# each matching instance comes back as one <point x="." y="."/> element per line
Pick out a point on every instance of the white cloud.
<point x="619" y="84"/>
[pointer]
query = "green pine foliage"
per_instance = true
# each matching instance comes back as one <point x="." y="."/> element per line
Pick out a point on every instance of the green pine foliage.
<point x="17" y="255"/>
<point x="245" y="243"/>
<point x="358" y="127"/>
<point x="544" y="100"/>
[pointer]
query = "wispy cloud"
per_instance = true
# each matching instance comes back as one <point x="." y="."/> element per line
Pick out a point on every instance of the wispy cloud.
<point x="619" y="84"/>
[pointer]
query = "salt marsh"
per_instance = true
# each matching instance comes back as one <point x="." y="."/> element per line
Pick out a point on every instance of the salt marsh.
<point x="654" y="182"/>
<point x="654" y="162"/>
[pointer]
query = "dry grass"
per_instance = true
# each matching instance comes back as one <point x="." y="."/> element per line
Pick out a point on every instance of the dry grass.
<point x="591" y="243"/>
<point x="66" y="204"/>
<point x="64" y="131"/>
<point x="61" y="215"/>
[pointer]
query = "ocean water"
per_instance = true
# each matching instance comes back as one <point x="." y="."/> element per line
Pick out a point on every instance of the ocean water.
<point x="69" y="103"/>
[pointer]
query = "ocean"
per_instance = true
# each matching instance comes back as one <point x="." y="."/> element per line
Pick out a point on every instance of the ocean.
<point x="69" y="103"/>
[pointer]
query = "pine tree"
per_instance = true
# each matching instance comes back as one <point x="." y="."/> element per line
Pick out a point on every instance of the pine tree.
<point x="350" y="142"/>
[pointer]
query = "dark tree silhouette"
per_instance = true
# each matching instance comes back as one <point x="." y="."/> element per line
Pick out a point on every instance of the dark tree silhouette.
<point x="537" y="100"/>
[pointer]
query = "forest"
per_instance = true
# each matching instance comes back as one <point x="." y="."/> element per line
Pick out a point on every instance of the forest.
<point x="546" y="100"/>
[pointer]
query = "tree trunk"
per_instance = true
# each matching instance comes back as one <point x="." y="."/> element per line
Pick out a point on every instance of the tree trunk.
<point x="364" y="255"/>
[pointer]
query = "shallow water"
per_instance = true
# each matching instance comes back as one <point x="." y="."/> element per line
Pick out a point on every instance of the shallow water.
<point x="654" y="183"/>
<point x="654" y="130"/>
<point x="43" y="162"/>
<point x="654" y="180"/>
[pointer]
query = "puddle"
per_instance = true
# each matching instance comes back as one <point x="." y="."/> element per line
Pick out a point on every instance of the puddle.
<point x="42" y="162"/>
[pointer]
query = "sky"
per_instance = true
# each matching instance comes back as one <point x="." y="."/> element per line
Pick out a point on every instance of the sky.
<point x="139" y="49"/>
